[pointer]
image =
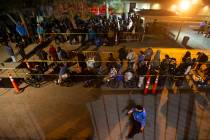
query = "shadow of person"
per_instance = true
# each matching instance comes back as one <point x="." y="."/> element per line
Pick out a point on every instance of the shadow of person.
<point x="130" y="104"/>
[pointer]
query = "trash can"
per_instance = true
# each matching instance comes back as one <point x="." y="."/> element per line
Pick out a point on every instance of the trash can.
<point x="185" y="40"/>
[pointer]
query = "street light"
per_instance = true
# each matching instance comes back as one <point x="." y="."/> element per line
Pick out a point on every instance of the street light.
<point x="184" y="5"/>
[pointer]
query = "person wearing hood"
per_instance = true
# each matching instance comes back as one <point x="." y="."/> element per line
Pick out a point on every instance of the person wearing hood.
<point x="148" y="54"/>
<point x="156" y="60"/>
<point x="137" y="120"/>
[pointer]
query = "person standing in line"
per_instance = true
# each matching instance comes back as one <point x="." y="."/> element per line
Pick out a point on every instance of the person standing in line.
<point x="131" y="59"/>
<point x="10" y="51"/>
<point x="122" y="54"/>
<point x="21" y="51"/>
<point x="201" y="59"/>
<point x="148" y="54"/>
<point x="62" y="55"/>
<point x="21" y="30"/>
<point x="43" y="56"/>
<point x="40" y="32"/>
<point x="52" y="53"/>
<point x="137" y="117"/>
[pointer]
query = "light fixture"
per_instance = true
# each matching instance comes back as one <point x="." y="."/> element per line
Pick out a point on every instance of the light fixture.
<point x="184" y="5"/>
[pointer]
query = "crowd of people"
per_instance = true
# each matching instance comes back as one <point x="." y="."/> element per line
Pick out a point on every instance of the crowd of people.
<point x="146" y="64"/>
<point x="97" y="30"/>
<point x="129" y="69"/>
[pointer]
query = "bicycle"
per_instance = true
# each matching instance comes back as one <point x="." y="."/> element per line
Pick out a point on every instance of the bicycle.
<point x="32" y="81"/>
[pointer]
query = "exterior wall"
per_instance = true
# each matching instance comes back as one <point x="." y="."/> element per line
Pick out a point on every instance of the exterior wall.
<point x="205" y="11"/>
<point x="142" y="5"/>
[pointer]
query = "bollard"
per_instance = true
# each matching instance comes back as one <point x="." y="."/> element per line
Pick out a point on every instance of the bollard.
<point x="154" y="87"/>
<point x="14" y="84"/>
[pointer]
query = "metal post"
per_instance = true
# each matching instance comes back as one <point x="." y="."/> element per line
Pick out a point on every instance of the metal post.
<point x="24" y="23"/>
<point x="12" y="19"/>
<point x="180" y="28"/>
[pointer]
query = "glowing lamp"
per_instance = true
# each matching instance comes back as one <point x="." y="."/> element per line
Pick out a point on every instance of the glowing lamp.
<point x="184" y="5"/>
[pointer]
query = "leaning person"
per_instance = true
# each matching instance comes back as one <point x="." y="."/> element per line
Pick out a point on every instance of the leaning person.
<point x="137" y="120"/>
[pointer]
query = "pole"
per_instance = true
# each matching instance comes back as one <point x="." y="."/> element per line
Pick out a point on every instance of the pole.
<point x="180" y="28"/>
<point x="24" y="23"/>
<point x="12" y="19"/>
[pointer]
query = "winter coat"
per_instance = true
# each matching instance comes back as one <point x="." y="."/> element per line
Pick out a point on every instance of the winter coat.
<point x="148" y="54"/>
<point x="156" y="60"/>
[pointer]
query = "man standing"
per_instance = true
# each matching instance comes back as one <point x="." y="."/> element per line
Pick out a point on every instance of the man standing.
<point x="131" y="59"/>
<point x="43" y="56"/>
<point x="20" y="29"/>
<point x="137" y="120"/>
<point x="21" y="51"/>
<point x="40" y="32"/>
<point x="201" y="59"/>
<point x="122" y="54"/>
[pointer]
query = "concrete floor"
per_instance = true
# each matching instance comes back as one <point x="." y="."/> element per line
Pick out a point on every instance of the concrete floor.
<point x="75" y="113"/>
<point x="197" y="41"/>
<point x="50" y="112"/>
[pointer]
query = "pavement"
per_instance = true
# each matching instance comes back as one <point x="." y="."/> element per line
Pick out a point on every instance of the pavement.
<point x="76" y="113"/>
<point x="53" y="112"/>
<point x="197" y="41"/>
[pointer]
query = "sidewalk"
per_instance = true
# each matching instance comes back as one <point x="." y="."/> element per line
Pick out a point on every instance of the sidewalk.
<point x="197" y="41"/>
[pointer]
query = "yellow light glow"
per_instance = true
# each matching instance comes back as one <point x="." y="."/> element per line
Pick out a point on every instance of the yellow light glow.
<point x="195" y="1"/>
<point x="184" y="5"/>
<point x="156" y="6"/>
<point x="206" y="8"/>
<point x="173" y="8"/>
